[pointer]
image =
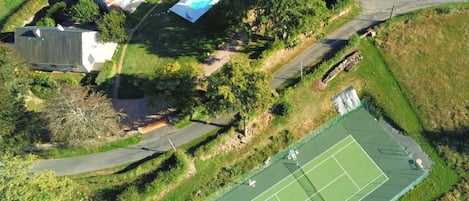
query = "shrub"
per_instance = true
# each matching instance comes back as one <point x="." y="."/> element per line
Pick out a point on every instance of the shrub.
<point x="46" y="21"/>
<point x="43" y="86"/>
<point x="56" y="10"/>
<point x="107" y="72"/>
<point x="341" y="5"/>
<point x="272" y="47"/>
<point x="85" y="11"/>
<point x="112" y="27"/>
<point x="283" y="108"/>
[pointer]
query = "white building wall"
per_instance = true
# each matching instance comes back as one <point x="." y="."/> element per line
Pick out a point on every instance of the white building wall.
<point x="88" y="44"/>
<point x="104" y="51"/>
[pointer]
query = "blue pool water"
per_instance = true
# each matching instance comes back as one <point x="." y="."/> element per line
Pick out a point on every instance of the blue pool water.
<point x="199" y="4"/>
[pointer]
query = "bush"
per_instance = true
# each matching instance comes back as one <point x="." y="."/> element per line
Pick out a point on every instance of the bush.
<point x="57" y="10"/>
<point x="341" y="5"/>
<point x="85" y="11"/>
<point x="24" y="13"/>
<point x="107" y="72"/>
<point x="46" y="21"/>
<point x="43" y="86"/>
<point x="112" y="27"/>
<point x="283" y="108"/>
<point x="272" y="47"/>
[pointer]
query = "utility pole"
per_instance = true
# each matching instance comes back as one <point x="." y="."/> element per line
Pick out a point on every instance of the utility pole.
<point x="301" y="69"/>
<point x="172" y="145"/>
<point x="392" y="9"/>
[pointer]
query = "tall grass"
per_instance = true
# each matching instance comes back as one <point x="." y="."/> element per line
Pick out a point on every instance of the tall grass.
<point x="7" y="8"/>
<point x="426" y="54"/>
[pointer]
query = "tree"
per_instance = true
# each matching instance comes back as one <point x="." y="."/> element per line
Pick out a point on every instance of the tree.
<point x="78" y="116"/>
<point x="14" y="82"/>
<point x="177" y="84"/>
<point x="238" y="87"/>
<point x="46" y="21"/>
<point x="287" y="19"/>
<point x="85" y="11"/>
<point x="112" y="27"/>
<point x="17" y="183"/>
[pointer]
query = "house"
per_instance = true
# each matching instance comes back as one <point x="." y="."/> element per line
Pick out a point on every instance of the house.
<point x="62" y="49"/>
<point x="127" y="5"/>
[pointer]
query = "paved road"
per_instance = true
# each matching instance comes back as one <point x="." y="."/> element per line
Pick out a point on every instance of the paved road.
<point x="374" y="11"/>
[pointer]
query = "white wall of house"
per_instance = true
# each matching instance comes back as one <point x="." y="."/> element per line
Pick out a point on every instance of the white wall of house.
<point x="88" y="41"/>
<point x="94" y="51"/>
<point x="104" y="51"/>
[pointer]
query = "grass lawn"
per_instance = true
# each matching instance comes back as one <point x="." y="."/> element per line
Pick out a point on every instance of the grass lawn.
<point x="165" y="38"/>
<point x="7" y="8"/>
<point x="73" y="152"/>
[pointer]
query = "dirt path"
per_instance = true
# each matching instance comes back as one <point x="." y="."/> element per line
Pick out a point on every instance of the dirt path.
<point x="222" y="56"/>
<point x="115" y="89"/>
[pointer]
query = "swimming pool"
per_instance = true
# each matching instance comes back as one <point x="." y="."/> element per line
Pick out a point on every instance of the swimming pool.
<point x="199" y="4"/>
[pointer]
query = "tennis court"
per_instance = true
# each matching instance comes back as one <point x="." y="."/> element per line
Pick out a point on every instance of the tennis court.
<point x="352" y="157"/>
<point x="344" y="166"/>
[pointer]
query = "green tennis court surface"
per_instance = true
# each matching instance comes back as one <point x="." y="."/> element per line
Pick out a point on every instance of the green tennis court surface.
<point x="352" y="157"/>
<point x="344" y="166"/>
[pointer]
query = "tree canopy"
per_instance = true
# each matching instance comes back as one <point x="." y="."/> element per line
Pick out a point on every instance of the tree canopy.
<point x="287" y="19"/>
<point x="238" y="87"/>
<point x="14" y="82"/>
<point x="112" y="27"/>
<point x="80" y="117"/>
<point x="85" y="11"/>
<point x="177" y="84"/>
<point x="17" y="183"/>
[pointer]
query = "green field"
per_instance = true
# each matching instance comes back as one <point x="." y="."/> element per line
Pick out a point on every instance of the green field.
<point x="344" y="166"/>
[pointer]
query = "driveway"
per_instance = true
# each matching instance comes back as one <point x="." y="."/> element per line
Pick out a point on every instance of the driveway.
<point x="374" y="12"/>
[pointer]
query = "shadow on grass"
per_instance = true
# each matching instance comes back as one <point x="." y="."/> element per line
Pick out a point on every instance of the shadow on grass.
<point x="168" y="35"/>
<point x="208" y="138"/>
<point x="138" y="163"/>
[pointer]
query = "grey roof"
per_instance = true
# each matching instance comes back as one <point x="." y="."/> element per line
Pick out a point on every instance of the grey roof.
<point x="53" y="46"/>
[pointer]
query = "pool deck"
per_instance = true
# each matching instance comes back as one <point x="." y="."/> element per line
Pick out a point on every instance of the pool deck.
<point x="183" y="8"/>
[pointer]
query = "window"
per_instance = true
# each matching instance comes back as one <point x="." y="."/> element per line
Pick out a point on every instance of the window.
<point x="91" y="59"/>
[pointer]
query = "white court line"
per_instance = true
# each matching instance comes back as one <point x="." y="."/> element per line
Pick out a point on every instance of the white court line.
<point x="368" y="185"/>
<point x="342" y="167"/>
<point x="369" y="157"/>
<point x="303" y="166"/>
<point x="276" y="196"/>
<point x="334" y="180"/>
<point x="375" y="187"/>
